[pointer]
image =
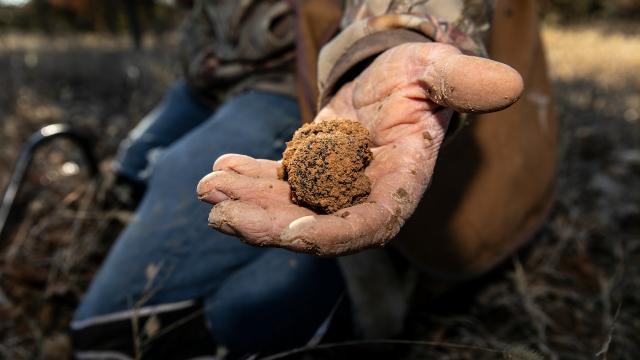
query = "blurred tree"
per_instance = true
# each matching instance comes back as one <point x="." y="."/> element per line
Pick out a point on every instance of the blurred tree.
<point x="576" y="10"/>
<point x="136" y="15"/>
<point x="132" y="16"/>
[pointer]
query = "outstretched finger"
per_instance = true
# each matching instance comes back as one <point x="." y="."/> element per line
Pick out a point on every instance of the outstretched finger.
<point x="246" y="165"/>
<point x="252" y="223"/>
<point x="224" y="184"/>
<point x="469" y="84"/>
<point x="346" y="231"/>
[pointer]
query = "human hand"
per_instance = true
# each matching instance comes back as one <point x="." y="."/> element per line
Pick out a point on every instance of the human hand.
<point x="405" y="98"/>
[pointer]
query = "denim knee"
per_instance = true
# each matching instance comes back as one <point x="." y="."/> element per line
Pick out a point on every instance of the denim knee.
<point x="277" y="302"/>
<point x="178" y="113"/>
<point x="257" y="124"/>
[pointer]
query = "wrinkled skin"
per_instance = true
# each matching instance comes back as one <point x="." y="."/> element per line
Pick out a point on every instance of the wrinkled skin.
<point x="405" y="98"/>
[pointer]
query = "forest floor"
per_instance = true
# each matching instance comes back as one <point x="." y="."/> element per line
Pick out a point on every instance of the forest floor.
<point x="573" y="294"/>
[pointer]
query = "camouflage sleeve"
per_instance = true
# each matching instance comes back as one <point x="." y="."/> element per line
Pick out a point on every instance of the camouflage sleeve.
<point x="369" y="27"/>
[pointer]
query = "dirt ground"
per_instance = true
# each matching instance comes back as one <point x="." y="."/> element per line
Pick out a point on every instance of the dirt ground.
<point x="572" y="295"/>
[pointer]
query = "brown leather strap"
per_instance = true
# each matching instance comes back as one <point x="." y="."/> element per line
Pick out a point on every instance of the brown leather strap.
<point x="316" y="22"/>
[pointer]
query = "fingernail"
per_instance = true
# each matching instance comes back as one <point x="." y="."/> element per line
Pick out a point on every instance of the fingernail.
<point x="222" y="158"/>
<point x="291" y="232"/>
<point x="223" y="228"/>
<point x="205" y="186"/>
<point x="214" y="196"/>
<point x="219" y="220"/>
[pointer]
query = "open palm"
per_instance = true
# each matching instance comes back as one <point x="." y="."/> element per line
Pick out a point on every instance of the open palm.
<point x="405" y="99"/>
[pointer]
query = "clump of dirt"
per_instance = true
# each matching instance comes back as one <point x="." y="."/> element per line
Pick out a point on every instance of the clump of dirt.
<point x="324" y="164"/>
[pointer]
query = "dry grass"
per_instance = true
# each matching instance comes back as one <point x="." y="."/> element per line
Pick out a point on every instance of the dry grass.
<point x="572" y="295"/>
<point x="35" y="42"/>
<point x="607" y="56"/>
<point x="103" y="87"/>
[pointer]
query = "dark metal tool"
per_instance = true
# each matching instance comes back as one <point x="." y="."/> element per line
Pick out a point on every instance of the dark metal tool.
<point x="41" y="137"/>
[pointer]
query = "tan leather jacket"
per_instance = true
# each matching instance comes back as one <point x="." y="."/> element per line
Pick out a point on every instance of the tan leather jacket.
<point x="495" y="181"/>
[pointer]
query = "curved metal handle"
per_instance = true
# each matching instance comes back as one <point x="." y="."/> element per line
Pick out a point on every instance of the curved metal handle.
<point x="43" y="136"/>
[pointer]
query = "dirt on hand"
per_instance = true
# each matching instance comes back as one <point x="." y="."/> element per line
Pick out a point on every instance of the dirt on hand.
<point x="324" y="164"/>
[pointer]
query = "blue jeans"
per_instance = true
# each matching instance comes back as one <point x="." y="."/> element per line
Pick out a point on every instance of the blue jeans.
<point x="179" y="113"/>
<point x="255" y="299"/>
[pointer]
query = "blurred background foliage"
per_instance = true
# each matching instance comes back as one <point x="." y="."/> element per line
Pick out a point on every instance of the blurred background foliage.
<point x="114" y="16"/>
<point x="581" y="10"/>
<point x="158" y="15"/>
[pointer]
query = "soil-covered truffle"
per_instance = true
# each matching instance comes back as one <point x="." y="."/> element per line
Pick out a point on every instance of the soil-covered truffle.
<point x="324" y="164"/>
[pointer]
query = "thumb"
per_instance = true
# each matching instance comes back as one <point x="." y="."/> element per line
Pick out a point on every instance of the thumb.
<point x="470" y="84"/>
